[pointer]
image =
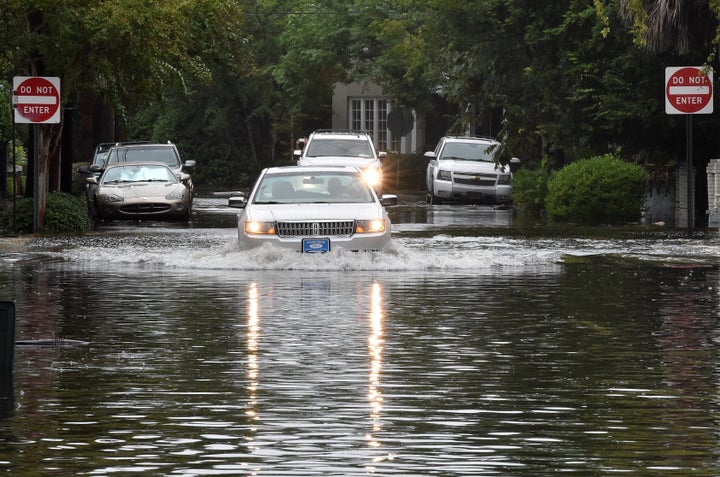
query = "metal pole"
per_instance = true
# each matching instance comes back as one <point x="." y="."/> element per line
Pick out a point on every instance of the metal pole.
<point x="36" y="179"/>
<point x="7" y="337"/>
<point x="688" y="158"/>
<point x="15" y="178"/>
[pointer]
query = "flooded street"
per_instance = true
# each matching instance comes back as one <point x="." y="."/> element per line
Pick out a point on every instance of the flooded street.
<point x="472" y="347"/>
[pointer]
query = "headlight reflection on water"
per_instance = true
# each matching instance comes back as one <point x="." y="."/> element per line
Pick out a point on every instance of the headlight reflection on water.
<point x="253" y="339"/>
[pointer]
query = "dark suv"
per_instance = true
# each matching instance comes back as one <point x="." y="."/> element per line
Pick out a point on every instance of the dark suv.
<point x="98" y="160"/>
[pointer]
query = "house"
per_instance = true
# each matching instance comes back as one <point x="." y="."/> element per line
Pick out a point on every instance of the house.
<point x="364" y="107"/>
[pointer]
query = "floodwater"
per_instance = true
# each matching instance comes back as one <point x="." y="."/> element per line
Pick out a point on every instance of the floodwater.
<point x="473" y="347"/>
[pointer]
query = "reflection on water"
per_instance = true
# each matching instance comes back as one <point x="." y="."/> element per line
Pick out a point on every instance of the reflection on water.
<point x="450" y="355"/>
<point x="253" y="338"/>
<point x="375" y="348"/>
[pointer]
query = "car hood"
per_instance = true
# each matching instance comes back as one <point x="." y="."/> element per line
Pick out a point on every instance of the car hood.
<point x="471" y="166"/>
<point x="361" y="162"/>
<point x="141" y="189"/>
<point x="313" y="212"/>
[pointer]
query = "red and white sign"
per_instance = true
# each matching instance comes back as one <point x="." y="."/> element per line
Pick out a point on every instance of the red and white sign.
<point x="36" y="99"/>
<point x="688" y="90"/>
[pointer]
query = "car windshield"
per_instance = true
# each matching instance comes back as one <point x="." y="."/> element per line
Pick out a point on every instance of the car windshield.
<point x="339" y="147"/>
<point x="138" y="173"/>
<point x="165" y="155"/>
<point x="313" y="188"/>
<point x="100" y="158"/>
<point x="468" y="151"/>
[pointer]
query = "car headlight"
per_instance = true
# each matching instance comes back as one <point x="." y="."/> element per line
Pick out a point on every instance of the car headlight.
<point x="369" y="226"/>
<point x="503" y="179"/>
<point x="373" y="176"/>
<point x="177" y="195"/>
<point x="256" y="227"/>
<point x="444" y="175"/>
<point x="111" y="198"/>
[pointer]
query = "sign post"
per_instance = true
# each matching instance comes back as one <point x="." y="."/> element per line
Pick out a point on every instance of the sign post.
<point x="36" y="100"/>
<point x="688" y="91"/>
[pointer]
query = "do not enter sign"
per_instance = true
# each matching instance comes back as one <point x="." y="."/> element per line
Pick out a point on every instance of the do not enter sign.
<point x="36" y="99"/>
<point x="688" y="90"/>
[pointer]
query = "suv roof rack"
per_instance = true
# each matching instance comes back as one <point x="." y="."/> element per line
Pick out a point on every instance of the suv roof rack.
<point x="339" y="131"/>
<point x="471" y="137"/>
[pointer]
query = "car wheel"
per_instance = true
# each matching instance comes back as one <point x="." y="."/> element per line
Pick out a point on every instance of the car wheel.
<point x="433" y="199"/>
<point x="92" y="210"/>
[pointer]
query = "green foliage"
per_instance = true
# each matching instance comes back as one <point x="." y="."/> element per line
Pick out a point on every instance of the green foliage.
<point x="530" y="188"/>
<point x="599" y="190"/>
<point x="64" y="213"/>
<point x="6" y="112"/>
<point x="234" y="82"/>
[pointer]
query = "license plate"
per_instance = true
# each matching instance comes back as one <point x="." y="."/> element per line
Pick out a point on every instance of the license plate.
<point x="316" y="245"/>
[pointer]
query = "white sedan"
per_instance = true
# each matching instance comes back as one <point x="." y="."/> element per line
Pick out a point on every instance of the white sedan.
<point x="314" y="209"/>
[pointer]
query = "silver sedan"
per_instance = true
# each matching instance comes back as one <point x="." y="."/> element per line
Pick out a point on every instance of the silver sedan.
<point x="140" y="191"/>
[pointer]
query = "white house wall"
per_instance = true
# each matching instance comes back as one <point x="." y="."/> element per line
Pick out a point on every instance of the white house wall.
<point x="344" y="93"/>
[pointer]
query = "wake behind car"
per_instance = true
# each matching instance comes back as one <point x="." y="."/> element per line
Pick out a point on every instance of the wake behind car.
<point x="140" y="191"/>
<point x="314" y="209"/>
<point x="464" y="168"/>
<point x="336" y="147"/>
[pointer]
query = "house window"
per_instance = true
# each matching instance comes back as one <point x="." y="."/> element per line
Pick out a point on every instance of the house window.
<point x="370" y="115"/>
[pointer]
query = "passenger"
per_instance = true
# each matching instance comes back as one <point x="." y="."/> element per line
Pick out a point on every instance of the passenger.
<point x="283" y="190"/>
<point x="335" y="187"/>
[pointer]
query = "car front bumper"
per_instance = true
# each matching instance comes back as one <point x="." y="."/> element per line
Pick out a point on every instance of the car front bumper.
<point x="500" y="194"/>
<point x="355" y="242"/>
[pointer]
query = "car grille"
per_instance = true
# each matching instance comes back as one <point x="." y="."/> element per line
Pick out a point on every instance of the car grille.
<point x="146" y="208"/>
<point x="468" y="178"/>
<point x="310" y="229"/>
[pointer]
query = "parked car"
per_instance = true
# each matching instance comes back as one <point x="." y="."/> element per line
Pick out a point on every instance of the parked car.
<point x="314" y="209"/>
<point x="335" y="147"/>
<point x="464" y="168"/>
<point x="165" y="153"/>
<point x="98" y="160"/>
<point x="140" y="190"/>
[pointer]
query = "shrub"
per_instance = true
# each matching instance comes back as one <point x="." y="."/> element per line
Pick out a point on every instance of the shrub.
<point x="530" y="189"/>
<point x="64" y="213"/>
<point x="602" y="189"/>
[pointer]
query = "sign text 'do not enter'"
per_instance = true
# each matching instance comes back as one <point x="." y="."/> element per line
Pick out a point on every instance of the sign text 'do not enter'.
<point x="36" y="99"/>
<point x="688" y="90"/>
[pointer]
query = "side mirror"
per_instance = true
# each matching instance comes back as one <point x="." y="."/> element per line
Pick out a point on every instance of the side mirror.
<point x="297" y="153"/>
<point x="95" y="168"/>
<point x="184" y="177"/>
<point x="388" y="199"/>
<point x="238" y="202"/>
<point x="382" y="154"/>
<point x="430" y="154"/>
<point x="514" y="165"/>
<point x="189" y="164"/>
<point x="91" y="180"/>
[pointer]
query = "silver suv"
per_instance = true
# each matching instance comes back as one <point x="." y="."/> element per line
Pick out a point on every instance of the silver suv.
<point x="335" y="147"/>
<point x="464" y="168"/>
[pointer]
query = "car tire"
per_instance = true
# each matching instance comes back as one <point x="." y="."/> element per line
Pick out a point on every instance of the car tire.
<point x="432" y="199"/>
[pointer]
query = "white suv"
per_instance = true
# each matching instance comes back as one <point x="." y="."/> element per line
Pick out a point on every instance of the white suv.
<point x="334" y="147"/>
<point x="464" y="168"/>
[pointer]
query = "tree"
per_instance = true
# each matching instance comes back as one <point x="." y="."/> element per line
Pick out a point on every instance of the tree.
<point x="673" y="25"/>
<point x="129" y="51"/>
